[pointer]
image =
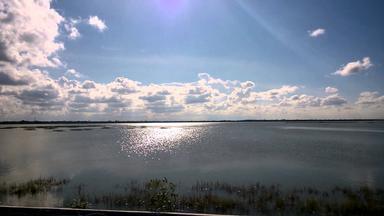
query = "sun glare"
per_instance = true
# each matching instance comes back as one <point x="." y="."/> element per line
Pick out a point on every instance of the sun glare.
<point x="149" y="139"/>
<point x="171" y="7"/>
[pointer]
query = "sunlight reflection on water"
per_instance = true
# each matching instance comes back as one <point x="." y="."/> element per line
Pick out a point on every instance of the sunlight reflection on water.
<point x="149" y="139"/>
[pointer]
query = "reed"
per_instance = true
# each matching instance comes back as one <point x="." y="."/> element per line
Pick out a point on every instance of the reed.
<point x="215" y="197"/>
<point x="32" y="187"/>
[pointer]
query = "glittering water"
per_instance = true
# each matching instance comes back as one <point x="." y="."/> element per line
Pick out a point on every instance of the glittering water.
<point x="149" y="139"/>
<point x="288" y="153"/>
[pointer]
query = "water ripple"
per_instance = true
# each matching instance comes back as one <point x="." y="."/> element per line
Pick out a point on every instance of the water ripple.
<point x="147" y="141"/>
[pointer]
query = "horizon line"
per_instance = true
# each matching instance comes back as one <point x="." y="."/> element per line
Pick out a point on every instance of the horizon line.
<point x="176" y="121"/>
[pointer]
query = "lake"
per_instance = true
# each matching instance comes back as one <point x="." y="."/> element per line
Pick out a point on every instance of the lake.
<point x="313" y="153"/>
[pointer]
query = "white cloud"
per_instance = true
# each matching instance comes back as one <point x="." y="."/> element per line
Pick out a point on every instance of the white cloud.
<point x="370" y="99"/>
<point x="28" y="32"/>
<point x="73" y="73"/>
<point x="123" y="85"/>
<point x="73" y="33"/>
<point x="300" y="101"/>
<point x="333" y="100"/>
<point x="121" y="97"/>
<point x="303" y="101"/>
<point x="317" y="32"/>
<point x="331" y="90"/>
<point x="28" y="45"/>
<point x="70" y="26"/>
<point x="275" y="94"/>
<point x="196" y="96"/>
<point x="97" y="23"/>
<point x="354" y="67"/>
<point x="9" y="75"/>
<point x="88" y="84"/>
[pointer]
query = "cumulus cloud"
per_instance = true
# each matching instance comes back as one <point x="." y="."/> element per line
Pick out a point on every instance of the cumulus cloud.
<point x="333" y="100"/>
<point x="28" y="43"/>
<point x="88" y="103"/>
<point x="300" y="101"/>
<point x="42" y="98"/>
<point x="275" y="94"/>
<point x="304" y="101"/>
<point x="11" y="76"/>
<point x="28" y="32"/>
<point x="163" y="107"/>
<point x="370" y="99"/>
<point x="193" y="99"/>
<point x="161" y="102"/>
<point x="331" y="90"/>
<point x="65" y="97"/>
<point x="123" y="85"/>
<point x="74" y="33"/>
<point x="317" y="32"/>
<point x="7" y="79"/>
<point x="29" y="46"/>
<point x="73" y="73"/>
<point x="153" y="98"/>
<point x="70" y="27"/>
<point x="96" y="22"/>
<point x="89" y="84"/>
<point x="354" y="67"/>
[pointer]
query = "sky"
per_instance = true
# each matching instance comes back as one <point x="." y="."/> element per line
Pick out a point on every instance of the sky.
<point x="191" y="59"/>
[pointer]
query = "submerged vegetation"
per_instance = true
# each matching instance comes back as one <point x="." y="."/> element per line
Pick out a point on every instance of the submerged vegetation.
<point x="215" y="197"/>
<point x="32" y="187"/>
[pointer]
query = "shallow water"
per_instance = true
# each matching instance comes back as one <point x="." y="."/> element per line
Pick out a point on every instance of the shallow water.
<point x="321" y="154"/>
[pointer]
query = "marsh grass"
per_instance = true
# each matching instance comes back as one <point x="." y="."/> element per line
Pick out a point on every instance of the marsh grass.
<point x="216" y="197"/>
<point x="223" y="198"/>
<point x="80" y="200"/>
<point x="32" y="187"/>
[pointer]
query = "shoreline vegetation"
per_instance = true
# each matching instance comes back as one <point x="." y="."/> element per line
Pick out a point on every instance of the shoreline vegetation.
<point x="161" y="195"/>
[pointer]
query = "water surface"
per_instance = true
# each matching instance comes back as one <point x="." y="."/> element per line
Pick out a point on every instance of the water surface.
<point x="322" y="154"/>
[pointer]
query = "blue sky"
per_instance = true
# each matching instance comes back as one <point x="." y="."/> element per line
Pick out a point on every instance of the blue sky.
<point x="265" y="42"/>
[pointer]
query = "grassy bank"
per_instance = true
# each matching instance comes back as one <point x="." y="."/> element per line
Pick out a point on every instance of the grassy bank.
<point x="213" y="197"/>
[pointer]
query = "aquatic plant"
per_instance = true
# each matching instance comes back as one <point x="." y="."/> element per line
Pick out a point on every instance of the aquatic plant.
<point x="80" y="201"/>
<point x="32" y="187"/>
<point x="160" y="195"/>
<point x="217" y="197"/>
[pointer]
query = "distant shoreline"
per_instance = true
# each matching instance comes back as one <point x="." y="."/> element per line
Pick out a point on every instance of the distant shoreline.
<point x="186" y="121"/>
